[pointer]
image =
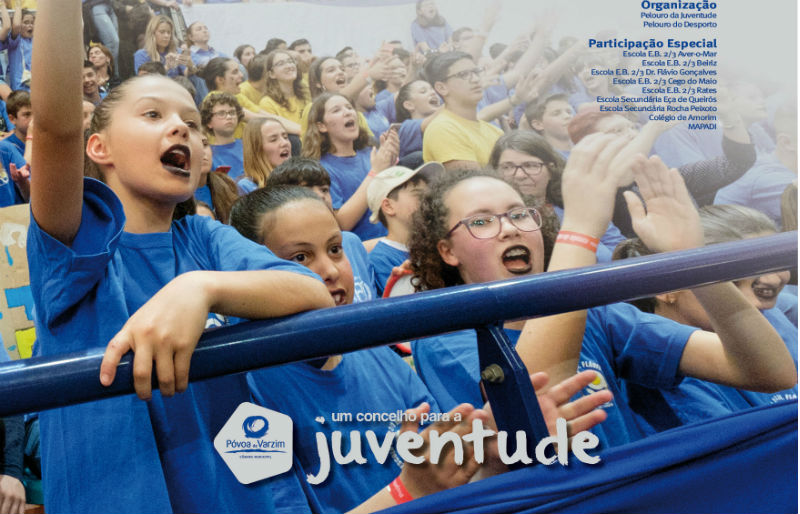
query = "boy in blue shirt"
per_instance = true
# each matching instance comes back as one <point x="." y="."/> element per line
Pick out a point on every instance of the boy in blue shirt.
<point x="393" y="197"/>
<point x="221" y="115"/>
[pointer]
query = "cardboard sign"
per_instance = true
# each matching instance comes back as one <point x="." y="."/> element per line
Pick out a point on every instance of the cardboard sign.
<point x="16" y="300"/>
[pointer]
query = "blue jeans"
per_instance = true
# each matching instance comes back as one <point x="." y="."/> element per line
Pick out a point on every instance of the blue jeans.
<point x="105" y="22"/>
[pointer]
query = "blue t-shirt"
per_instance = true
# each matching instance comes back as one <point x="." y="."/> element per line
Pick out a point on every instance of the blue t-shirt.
<point x="122" y="454"/>
<point x="384" y="256"/>
<point x="20" y="50"/>
<point x="377" y="122"/>
<point x="16" y="142"/>
<point x="246" y="185"/>
<point x="201" y="57"/>
<point x="369" y="381"/>
<point x="620" y="342"/>
<point x="695" y="400"/>
<point x="433" y="35"/>
<point x="203" y="194"/>
<point x="346" y="174"/>
<point x="410" y="136"/>
<point x="760" y="187"/>
<point x="387" y="108"/>
<point x="231" y="154"/>
<point x="363" y="274"/>
<point x="9" y="194"/>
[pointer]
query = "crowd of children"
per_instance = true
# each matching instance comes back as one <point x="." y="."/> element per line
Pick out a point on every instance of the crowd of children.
<point x="210" y="189"/>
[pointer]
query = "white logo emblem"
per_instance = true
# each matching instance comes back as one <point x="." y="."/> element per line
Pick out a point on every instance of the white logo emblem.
<point x="256" y="443"/>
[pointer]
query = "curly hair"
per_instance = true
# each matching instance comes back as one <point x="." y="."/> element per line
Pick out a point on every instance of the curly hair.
<point x="273" y="89"/>
<point x="429" y="227"/>
<point x="216" y="98"/>
<point x="534" y="145"/>
<point x="316" y="143"/>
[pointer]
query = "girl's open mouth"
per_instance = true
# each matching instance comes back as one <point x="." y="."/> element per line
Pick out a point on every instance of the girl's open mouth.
<point x="517" y="260"/>
<point x="177" y="159"/>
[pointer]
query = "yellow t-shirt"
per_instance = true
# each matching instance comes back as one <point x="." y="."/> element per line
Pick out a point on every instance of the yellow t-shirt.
<point x="450" y="137"/>
<point x="248" y="93"/>
<point x="293" y="113"/>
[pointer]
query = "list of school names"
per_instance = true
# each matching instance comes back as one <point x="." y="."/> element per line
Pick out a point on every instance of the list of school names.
<point x="671" y="75"/>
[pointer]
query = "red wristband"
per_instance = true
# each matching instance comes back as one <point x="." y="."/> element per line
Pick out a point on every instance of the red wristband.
<point x="577" y="239"/>
<point x="399" y="491"/>
<point x="372" y="173"/>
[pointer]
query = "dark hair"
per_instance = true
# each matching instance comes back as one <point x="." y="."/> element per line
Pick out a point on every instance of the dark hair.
<point x="273" y="88"/>
<point x="216" y="67"/>
<point x="535" y="111"/>
<point x="216" y="98"/>
<point x="437" y="67"/>
<point x="247" y="214"/>
<point x="315" y="75"/>
<point x="224" y="193"/>
<point x="430" y="271"/>
<point x="240" y="50"/>
<point x="16" y="101"/>
<point x="344" y="52"/>
<point x="401" y="113"/>
<point x="153" y="68"/>
<point x="299" y="171"/>
<point x="403" y="54"/>
<point x="257" y="67"/>
<point x="299" y="42"/>
<point x="530" y="143"/>
<point x="273" y="44"/>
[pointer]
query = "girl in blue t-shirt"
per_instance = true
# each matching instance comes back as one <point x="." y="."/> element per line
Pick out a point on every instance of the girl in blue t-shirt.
<point x="343" y="147"/>
<point x="298" y="226"/>
<point x="416" y="105"/>
<point x="110" y="269"/>
<point x="473" y="227"/>
<point x="266" y="146"/>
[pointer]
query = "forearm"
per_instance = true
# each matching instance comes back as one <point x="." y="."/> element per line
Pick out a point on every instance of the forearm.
<point x="753" y="354"/>
<point x="261" y="293"/>
<point x="354" y="208"/>
<point x="495" y="110"/>
<point x="704" y="178"/>
<point x="553" y="344"/>
<point x="57" y="187"/>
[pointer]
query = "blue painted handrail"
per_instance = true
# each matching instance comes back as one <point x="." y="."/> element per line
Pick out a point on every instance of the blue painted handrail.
<point x="42" y="383"/>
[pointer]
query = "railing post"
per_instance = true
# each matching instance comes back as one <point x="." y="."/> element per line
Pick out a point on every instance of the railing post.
<point x="509" y="390"/>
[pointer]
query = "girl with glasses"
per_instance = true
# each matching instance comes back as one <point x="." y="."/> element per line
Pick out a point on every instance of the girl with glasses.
<point x="528" y="161"/>
<point x="616" y="341"/>
<point x="285" y="94"/>
<point x="298" y="226"/>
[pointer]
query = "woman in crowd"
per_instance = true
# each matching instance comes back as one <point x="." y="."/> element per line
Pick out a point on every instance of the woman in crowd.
<point x="266" y="146"/>
<point x="161" y="46"/>
<point x="103" y="63"/>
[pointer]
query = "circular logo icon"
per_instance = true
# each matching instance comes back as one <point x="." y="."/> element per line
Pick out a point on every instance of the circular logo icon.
<point x="255" y="427"/>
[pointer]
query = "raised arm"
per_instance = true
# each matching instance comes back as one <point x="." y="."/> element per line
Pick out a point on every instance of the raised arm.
<point x="56" y="100"/>
<point x="16" y="21"/>
<point x="553" y="343"/>
<point x="5" y="19"/>
<point x="744" y="350"/>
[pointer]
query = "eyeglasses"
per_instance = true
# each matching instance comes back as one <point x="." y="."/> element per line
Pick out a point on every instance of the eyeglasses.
<point x="225" y="114"/>
<point x="529" y="168"/>
<point x="488" y="226"/>
<point x="467" y="74"/>
<point x="283" y="63"/>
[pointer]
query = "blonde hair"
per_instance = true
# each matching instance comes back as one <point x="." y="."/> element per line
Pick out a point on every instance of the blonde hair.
<point x="150" y="37"/>
<point x="256" y="166"/>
